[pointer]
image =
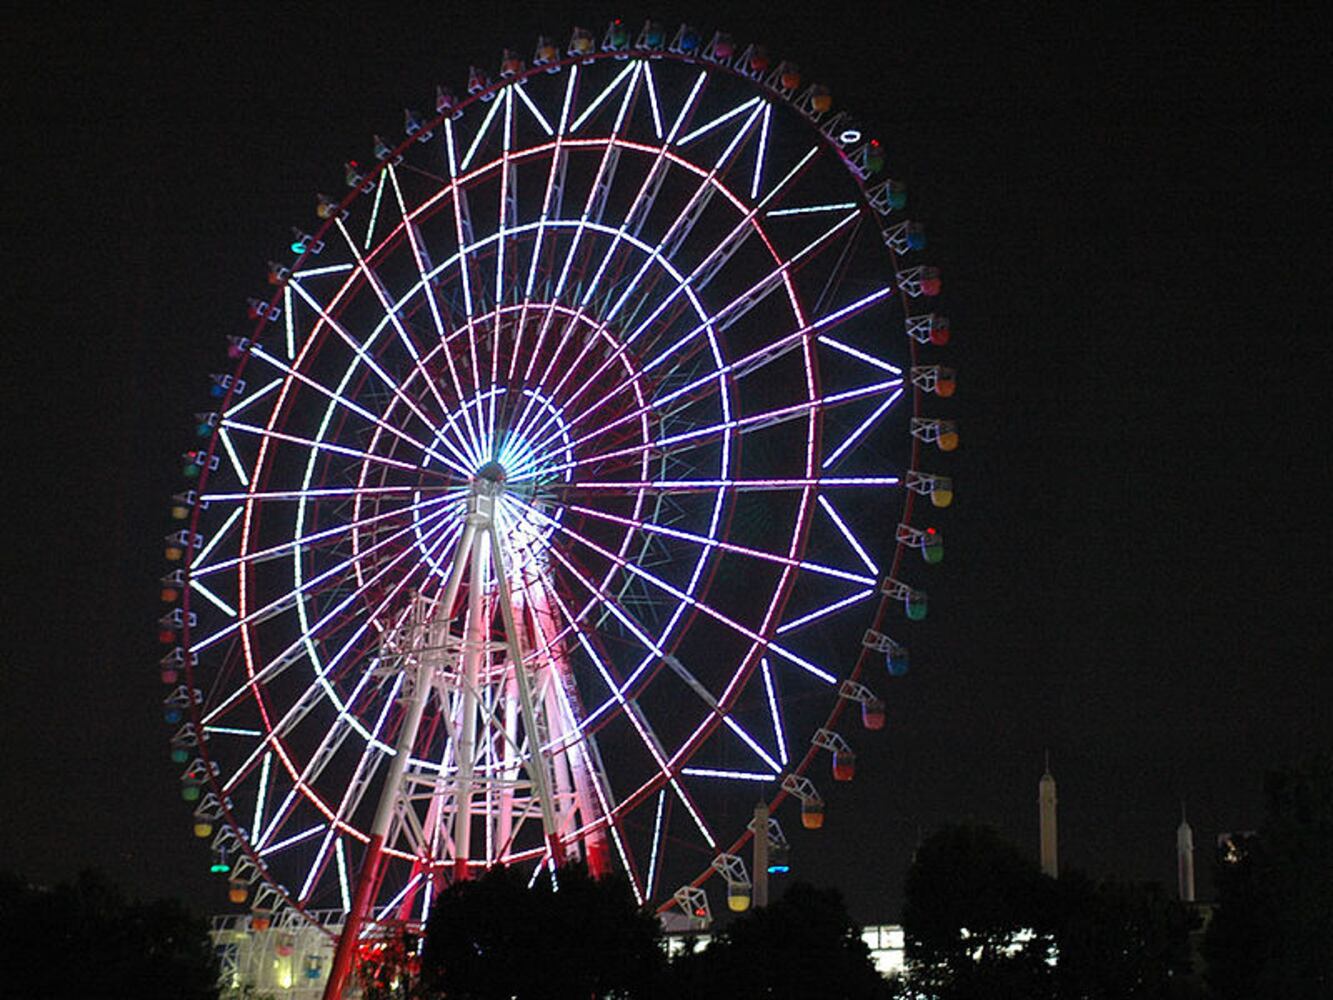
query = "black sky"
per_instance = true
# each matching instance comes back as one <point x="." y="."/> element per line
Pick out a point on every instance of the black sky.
<point x="1131" y="214"/>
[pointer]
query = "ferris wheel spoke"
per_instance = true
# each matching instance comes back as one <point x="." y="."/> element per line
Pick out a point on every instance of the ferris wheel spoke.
<point x="709" y="544"/>
<point x="678" y="594"/>
<point x="390" y="309"/>
<point x="388" y="380"/>
<point x="826" y="610"/>
<point x="421" y="258"/>
<point x="633" y="712"/>
<point x="251" y="398"/>
<point x="589" y="219"/>
<point x="686" y="440"/>
<point x="670" y="486"/>
<point x="337" y="449"/>
<point x="361" y="411"/>
<point x="323" y="536"/>
<point x="729" y="313"/>
<point x="285" y="600"/>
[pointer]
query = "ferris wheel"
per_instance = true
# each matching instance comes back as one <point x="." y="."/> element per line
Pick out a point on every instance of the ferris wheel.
<point x="547" y="484"/>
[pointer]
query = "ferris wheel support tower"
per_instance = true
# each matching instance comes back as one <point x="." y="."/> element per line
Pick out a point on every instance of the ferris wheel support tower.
<point x="490" y="698"/>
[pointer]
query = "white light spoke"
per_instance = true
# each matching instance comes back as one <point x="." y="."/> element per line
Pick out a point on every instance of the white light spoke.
<point x="826" y="610"/>
<point x="254" y="397"/>
<point x="289" y="321"/>
<point x="652" y="99"/>
<point x="218" y="535"/>
<point x="860" y="430"/>
<point x="859" y="354"/>
<point x="292" y="840"/>
<point x="374" y="213"/>
<point x="763" y="149"/>
<point x="607" y="91"/>
<point x="541" y="118"/>
<point x="710" y="772"/>
<point x="779" y="735"/>
<point x="721" y="119"/>
<point x="739" y="485"/>
<point x="838" y="206"/>
<point x="847" y="533"/>
<point x="213" y="598"/>
<point x="481" y="134"/>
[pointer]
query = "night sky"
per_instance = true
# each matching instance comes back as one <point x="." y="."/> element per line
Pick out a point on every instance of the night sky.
<point x="1131" y="216"/>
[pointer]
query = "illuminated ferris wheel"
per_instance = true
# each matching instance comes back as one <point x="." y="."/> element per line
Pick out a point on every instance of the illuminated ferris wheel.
<point x="518" y="530"/>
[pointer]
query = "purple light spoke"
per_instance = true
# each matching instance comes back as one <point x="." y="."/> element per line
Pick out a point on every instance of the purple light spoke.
<point x="361" y="411"/>
<point x="827" y="609"/>
<point x="713" y="543"/>
<point x="860" y="430"/>
<point x="359" y="350"/>
<point x="742" y="367"/>
<point x="280" y="601"/>
<point x="778" y="734"/>
<point x="702" y="435"/>
<point x="422" y="259"/>
<point x="328" y="446"/>
<point x="740" y="485"/>
<point x="390" y="312"/>
<point x="680" y="595"/>
<point x="261" y="555"/>
<point x="841" y="525"/>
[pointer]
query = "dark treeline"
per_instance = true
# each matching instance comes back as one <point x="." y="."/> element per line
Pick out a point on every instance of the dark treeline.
<point x="85" y="940"/>
<point x="980" y="921"/>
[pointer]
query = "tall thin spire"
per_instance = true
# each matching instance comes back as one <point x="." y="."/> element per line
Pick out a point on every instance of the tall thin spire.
<point x="1050" y="864"/>
<point x="1185" y="858"/>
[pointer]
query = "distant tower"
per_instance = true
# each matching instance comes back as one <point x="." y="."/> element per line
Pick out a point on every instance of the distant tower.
<point x="1185" y="858"/>
<point x="1046" y="803"/>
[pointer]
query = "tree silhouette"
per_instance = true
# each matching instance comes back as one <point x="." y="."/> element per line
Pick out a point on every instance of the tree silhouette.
<point x="802" y="945"/>
<point x="85" y="940"/>
<point x="978" y="918"/>
<point x="1271" y="932"/>
<point x="493" y="938"/>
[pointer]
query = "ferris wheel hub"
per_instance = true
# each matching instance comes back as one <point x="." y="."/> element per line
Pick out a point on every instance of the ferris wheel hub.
<point x="492" y="474"/>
